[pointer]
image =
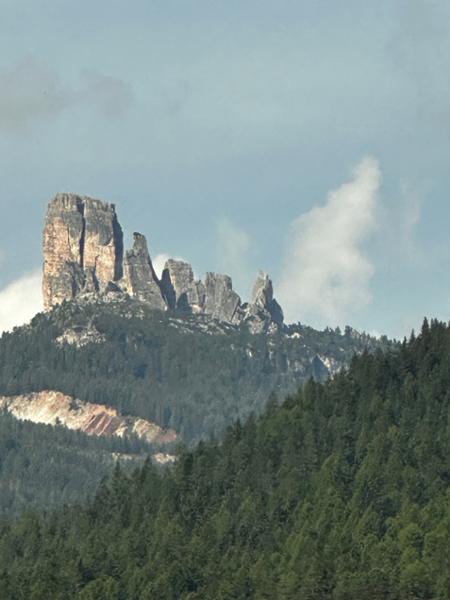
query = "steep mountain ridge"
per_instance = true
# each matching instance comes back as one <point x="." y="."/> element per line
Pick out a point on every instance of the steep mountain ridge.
<point x="189" y="373"/>
<point x="84" y="255"/>
<point x="120" y="352"/>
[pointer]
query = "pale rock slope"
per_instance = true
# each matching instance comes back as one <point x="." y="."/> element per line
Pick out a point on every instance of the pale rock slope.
<point x="52" y="408"/>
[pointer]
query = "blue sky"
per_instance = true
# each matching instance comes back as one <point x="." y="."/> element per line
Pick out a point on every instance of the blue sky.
<point x="310" y="139"/>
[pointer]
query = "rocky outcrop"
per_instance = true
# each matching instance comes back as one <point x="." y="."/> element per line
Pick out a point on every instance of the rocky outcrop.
<point x="68" y="284"/>
<point x="102" y="245"/>
<point x="84" y="256"/>
<point x="264" y="312"/>
<point x="63" y="234"/>
<point x="83" y="247"/>
<point x="221" y="301"/>
<point x="180" y="289"/>
<point x="51" y="408"/>
<point x="217" y="299"/>
<point x="90" y="283"/>
<point x="140" y="279"/>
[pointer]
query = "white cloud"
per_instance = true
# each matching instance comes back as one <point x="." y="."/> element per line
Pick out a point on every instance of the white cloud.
<point x="233" y="246"/>
<point x="326" y="274"/>
<point x="20" y="300"/>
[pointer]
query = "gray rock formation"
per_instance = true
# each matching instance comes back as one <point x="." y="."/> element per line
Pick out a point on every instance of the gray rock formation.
<point x="180" y="289"/>
<point x="102" y="246"/>
<point x="221" y="301"/>
<point x="63" y="232"/>
<point x="82" y="238"/>
<point x="70" y="281"/>
<point x="264" y="312"/>
<point x="90" y="281"/>
<point x="140" y="278"/>
<point x="83" y="255"/>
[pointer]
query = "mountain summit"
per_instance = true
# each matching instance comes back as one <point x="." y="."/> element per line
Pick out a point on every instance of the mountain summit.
<point x="84" y="255"/>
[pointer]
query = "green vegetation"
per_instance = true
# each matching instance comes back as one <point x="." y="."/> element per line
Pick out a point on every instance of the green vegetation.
<point x="44" y="466"/>
<point x="171" y="370"/>
<point x="342" y="493"/>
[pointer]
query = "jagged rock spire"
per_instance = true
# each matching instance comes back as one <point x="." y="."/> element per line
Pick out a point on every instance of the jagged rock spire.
<point x="180" y="289"/>
<point x="83" y="255"/>
<point x="263" y="300"/>
<point x="221" y="301"/>
<point x="141" y="281"/>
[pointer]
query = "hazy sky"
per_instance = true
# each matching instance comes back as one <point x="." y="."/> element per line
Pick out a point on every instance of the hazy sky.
<point x="307" y="138"/>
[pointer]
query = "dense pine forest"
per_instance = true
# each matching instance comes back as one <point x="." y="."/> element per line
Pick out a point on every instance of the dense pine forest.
<point x="159" y="366"/>
<point x="44" y="466"/>
<point x="341" y="493"/>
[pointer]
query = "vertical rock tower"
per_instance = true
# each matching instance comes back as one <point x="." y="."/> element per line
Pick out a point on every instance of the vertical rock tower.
<point x="103" y="241"/>
<point x="140" y="279"/>
<point x="84" y="254"/>
<point x="83" y="247"/>
<point x="180" y="289"/>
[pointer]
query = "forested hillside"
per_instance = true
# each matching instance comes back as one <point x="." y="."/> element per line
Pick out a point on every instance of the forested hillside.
<point x="44" y="466"/>
<point x="341" y="493"/>
<point x="191" y="374"/>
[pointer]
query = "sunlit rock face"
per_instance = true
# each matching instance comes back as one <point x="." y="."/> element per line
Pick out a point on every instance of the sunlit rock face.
<point x="51" y="408"/>
<point x="63" y="233"/>
<point x="103" y="241"/>
<point x="84" y="257"/>
<point x="83" y="247"/>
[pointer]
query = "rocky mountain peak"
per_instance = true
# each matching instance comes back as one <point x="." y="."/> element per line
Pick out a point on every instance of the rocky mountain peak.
<point x="264" y="307"/>
<point x="262" y="290"/>
<point x="84" y="255"/>
<point x="221" y="301"/>
<point x="180" y="289"/>
<point x="140" y="278"/>
<point x="81" y="236"/>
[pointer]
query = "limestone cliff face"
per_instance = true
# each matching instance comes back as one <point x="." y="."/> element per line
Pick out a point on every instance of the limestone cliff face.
<point x="63" y="234"/>
<point x="139" y="276"/>
<point x="264" y="311"/>
<point x="103" y="241"/>
<point x="84" y="256"/>
<point x="221" y="301"/>
<point x="83" y="245"/>
<point x="180" y="289"/>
